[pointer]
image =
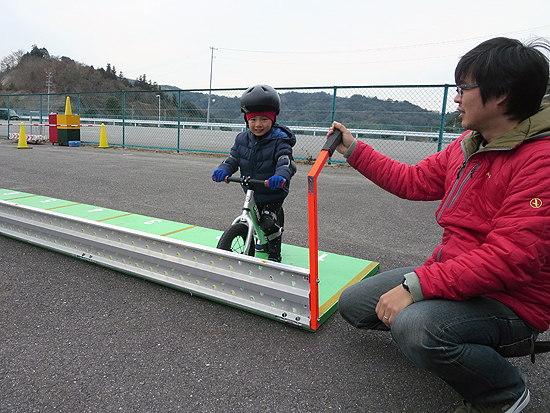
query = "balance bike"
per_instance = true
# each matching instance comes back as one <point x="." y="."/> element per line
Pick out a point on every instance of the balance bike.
<point x="240" y="237"/>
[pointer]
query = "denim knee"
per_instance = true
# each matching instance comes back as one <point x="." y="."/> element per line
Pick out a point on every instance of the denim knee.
<point x="358" y="302"/>
<point x="346" y="306"/>
<point x="409" y="329"/>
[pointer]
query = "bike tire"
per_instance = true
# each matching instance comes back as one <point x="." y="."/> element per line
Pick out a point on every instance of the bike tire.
<point x="234" y="239"/>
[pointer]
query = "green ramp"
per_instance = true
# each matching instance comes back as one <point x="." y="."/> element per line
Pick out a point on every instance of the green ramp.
<point x="335" y="272"/>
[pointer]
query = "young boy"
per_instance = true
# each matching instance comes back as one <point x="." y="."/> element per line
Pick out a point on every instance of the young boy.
<point x="263" y="151"/>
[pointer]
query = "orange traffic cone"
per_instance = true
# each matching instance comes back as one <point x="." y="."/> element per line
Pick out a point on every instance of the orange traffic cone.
<point x="22" y="143"/>
<point x="103" y="138"/>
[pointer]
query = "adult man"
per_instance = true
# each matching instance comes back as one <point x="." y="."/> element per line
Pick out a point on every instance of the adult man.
<point x="484" y="294"/>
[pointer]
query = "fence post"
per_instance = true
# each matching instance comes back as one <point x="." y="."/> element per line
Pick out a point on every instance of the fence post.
<point x="442" y="123"/>
<point x="333" y="117"/>
<point x="179" y="119"/>
<point x="334" y="104"/>
<point x="40" y="117"/>
<point x="123" y="117"/>
<point x="8" y="122"/>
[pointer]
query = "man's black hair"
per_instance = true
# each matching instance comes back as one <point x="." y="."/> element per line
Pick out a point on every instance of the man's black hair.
<point x="503" y="66"/>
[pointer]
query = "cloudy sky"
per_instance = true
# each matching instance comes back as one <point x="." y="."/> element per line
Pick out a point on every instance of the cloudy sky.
<point x="285" y="43"/>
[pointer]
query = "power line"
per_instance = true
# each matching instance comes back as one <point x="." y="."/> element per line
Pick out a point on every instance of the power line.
<point x="294" y="63"/>
<point x="382" y="48"/>
<point x="173" y="61"/>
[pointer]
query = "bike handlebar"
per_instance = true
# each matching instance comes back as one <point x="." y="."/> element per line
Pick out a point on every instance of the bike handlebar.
<point x="246" y="180"/>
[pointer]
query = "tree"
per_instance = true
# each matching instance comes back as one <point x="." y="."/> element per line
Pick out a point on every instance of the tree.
<point x="110" y="71"/>
<point x="11" y="61"/>
<point x="39" y="53"/>
<point x="113" y="106"/>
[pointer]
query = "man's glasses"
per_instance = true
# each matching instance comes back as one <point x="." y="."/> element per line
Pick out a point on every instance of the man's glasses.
<point x="460" y="89"/>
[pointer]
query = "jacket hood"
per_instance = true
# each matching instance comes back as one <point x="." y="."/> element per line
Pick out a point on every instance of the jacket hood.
<point x="529" y="128"/>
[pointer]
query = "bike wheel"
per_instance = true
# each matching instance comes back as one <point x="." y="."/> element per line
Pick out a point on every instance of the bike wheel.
<point x="234" y="239"/>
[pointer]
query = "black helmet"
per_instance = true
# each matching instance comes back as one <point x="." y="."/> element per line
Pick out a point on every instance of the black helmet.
<point x="260" y="98"/>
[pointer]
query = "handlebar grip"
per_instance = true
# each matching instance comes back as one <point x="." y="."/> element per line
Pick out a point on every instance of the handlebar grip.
<point x="245" y="180"/>
<point x="228" y="179"/>
<point x="333" y="141"/>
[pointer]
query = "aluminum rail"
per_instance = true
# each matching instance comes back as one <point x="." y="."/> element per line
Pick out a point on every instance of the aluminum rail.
<point x="275" y="290"/>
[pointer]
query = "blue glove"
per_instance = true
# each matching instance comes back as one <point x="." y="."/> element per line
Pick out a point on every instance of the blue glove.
<point x="276" y="182"/>
<point x="219" y="175"/>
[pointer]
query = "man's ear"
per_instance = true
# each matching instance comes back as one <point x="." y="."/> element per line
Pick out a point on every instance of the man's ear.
<point x="501" y="100"/>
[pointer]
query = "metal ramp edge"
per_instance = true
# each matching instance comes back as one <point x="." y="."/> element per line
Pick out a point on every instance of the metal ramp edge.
<point x="274" y="290"/>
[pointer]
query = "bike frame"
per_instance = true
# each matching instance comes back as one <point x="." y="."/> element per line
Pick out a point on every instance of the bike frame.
<point x="251" y="220"/>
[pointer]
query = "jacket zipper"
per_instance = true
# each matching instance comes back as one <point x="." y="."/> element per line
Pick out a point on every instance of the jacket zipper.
<point x="468" y="176"/>
<point x="457" y="187"/>
<point x="454" y="195"/>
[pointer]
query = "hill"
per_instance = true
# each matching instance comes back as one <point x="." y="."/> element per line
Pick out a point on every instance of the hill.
<point x="316" y="109"/>
<point x="38" y="72"/>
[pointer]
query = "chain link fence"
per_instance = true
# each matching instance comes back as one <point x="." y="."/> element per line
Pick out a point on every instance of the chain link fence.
<point x="406" y="123"/>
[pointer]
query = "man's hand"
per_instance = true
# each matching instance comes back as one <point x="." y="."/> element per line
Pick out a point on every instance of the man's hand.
<point x="392" y="303"/>
<point x="347" y="137"/>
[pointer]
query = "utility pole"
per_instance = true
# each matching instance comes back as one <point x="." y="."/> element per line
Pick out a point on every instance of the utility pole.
<point x="49" y="84"/>
<point x="210" y="89"/>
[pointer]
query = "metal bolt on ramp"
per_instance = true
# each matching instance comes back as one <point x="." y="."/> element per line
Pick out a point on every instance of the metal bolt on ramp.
<point x="274" y="290"/>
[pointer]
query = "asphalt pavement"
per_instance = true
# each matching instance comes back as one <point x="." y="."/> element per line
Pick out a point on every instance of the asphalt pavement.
<point x="77" y="337"/>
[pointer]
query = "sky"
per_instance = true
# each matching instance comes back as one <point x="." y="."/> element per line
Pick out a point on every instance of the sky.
<point x="299" y="43"/>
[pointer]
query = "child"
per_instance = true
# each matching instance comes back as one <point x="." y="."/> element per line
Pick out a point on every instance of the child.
<point x="263" y="151"/>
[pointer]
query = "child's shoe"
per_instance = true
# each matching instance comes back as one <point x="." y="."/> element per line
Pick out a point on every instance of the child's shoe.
<point x="259" y="247"/>
<point x="274" y="249"/>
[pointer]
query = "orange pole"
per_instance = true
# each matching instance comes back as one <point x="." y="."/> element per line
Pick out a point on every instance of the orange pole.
<point x="328" y="149"/>
<point x="314" y="238"/>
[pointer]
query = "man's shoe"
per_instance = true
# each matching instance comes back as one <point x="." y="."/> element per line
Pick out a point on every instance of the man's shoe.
<point x="517" y="407"/>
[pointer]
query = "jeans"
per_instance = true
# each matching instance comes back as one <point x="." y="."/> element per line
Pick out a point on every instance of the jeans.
<point x="463" y="342"/>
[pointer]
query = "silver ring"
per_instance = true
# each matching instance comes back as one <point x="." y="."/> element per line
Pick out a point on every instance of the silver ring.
<point x="386" y="318"/>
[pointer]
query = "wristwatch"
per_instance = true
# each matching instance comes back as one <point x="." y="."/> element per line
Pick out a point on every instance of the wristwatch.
<point x="405" y="285"/>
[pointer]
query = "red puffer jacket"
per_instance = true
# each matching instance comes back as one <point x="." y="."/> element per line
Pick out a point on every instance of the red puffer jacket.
<point x="495" y="212"/>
